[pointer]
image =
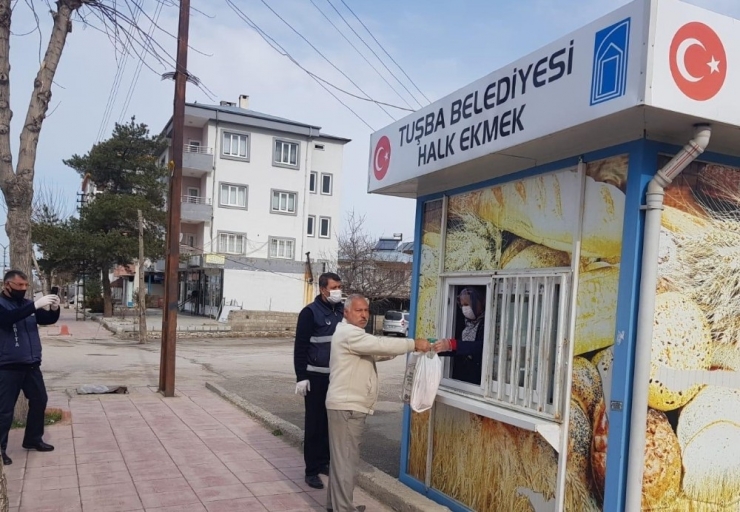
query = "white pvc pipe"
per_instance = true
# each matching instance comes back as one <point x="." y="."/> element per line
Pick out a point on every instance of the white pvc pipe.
<point x="646" y="310"/>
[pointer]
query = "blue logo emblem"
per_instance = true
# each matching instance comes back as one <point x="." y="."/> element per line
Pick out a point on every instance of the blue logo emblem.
<point x="611" y="52"/>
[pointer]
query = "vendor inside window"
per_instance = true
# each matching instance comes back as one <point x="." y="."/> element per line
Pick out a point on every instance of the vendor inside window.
<point x="466" y="348"/>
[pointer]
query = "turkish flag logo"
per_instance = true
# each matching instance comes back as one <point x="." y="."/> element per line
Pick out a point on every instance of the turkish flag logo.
<point x="698" y="61"/>
<point x="382" y="157"/>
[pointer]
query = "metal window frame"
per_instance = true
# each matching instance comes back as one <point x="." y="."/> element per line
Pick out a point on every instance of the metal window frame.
<point x="279" y="239"/>
<point x="331" y="184"/>
<point x="223" y="204"/>
<point x="312" y="233"/>
<point x="328" y="234"/>
<point x="237" y="133"/>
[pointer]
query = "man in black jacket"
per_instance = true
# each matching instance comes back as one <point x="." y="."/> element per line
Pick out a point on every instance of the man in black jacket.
<point x="316" y="325"/>
<point x="20" y="359"/>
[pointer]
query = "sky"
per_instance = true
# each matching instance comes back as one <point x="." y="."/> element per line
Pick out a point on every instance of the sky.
<point x="441" y="45"/>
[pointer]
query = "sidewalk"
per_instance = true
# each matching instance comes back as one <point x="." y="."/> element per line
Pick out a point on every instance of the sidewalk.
<point x="135" y="452"/>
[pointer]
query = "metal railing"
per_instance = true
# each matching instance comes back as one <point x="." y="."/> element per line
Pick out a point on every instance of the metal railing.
<point x="192" y="148"/>
<point x="196" y="200"/>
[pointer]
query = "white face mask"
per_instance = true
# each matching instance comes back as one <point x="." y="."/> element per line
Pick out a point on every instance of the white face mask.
<point x="335" y="296"/>
<point x="467" y="311"/>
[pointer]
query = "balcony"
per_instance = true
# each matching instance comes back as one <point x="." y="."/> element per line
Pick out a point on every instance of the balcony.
<point x="196" y="209"/>
<point x="197" y="161"/>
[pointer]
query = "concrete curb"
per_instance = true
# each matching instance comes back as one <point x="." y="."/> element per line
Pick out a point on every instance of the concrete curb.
<point x="379" y="485"/>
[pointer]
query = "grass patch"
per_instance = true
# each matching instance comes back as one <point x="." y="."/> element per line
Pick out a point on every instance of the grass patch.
<point x="51" y="417"/>
<point x="277" y="432"/>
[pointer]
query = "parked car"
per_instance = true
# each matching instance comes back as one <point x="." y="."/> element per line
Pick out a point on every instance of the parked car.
<point x="396" y="322"/>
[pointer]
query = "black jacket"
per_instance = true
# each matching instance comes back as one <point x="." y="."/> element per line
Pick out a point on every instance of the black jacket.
<point x="20" y="343"/>
<point x="316" y="325"/>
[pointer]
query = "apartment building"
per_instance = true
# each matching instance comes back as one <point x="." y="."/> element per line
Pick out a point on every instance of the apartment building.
<point x="258" y="193"/>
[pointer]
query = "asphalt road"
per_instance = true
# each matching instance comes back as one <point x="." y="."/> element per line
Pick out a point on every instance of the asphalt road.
<point x="267" y="380"/>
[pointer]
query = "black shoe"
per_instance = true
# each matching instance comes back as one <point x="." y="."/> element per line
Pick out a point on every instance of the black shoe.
<point x="324" y="470"/>
<point x="39" y="447"/>
<point x="314" y="481"/>
<point x="7" y="460"/>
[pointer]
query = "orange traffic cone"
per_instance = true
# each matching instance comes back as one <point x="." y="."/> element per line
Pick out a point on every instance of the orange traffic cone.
<point x="64" y="331"/>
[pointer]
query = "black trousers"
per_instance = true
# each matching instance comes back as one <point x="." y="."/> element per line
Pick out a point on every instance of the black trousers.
<point x="316" y="440"/>
<point x="31" y="381"/>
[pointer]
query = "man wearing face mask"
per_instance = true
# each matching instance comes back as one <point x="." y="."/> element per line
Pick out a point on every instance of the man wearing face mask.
<point x="316" y="325"/>
<point x="20" y="359"/>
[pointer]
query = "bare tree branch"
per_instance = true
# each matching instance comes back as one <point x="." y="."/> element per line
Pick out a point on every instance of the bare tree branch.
<point x="6" y="157"/>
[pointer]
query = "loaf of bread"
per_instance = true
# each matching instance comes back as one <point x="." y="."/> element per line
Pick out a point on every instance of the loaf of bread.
<point x="586" y="385"/>
<point x="545" y="210"/>
<point x="661" y="477"/>
<point x="603" y="362"/>
<point x="599" y="447"/>
<point x="536" y="256"/>
<point x="579" y="442"/>
<point x="596" y="310"/>
<point x="709" y="436"/>
<point x="681" y="341"/>
<point x="610" y="170"/>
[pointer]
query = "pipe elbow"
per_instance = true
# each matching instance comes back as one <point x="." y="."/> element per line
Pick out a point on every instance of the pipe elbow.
<point x="702" y="134"/>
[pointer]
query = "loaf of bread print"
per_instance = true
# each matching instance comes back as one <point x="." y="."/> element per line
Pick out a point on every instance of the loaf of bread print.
<point x="596" y="309"/>
<point x="599" y="446"/>
<point x="661" y="477"/>
<point x="545" y="210"/>
<point x="709" y="436"/>
<point x="586" y="390"/>
<point x="681" y="341"/>
<point x="535" y="256"/>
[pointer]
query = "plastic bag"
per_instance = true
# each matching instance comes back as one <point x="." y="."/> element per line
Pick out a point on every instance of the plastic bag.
<point x="427" y="376"/>
<point x="408" y="376"/>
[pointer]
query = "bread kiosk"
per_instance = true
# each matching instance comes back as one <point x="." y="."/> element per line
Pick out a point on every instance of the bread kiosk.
<point x="588" y="197"/>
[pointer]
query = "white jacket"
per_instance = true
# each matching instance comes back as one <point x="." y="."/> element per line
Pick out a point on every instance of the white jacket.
<point x="353" y="381"/>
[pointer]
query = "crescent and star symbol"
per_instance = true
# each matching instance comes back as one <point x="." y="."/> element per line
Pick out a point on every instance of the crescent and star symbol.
<point x="698" y="61"/>
<point x="382" y="158"/>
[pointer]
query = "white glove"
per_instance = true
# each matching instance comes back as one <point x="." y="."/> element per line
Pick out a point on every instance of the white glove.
<point x="55" y="304"/>
<point x="302" y="388"/>
<point x="45" y="301"/>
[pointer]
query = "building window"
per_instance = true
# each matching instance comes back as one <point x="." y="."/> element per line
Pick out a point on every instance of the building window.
<point x="313" y="182"/>
<point x="319" y="147"/>
<point x="311" y="225"/>
<point x="324" y="227"/>
<point x="235" y="145"/>
<point x="282" y="248"/>
<point x="326" y="184"/>
<point x="510" y="331"/>
<point x="283" y="202"/>
<point x="189" y="239"/>
<point x="233" y="196"/>
<point x="286" y="153"/>
<point x="231" y="243"/>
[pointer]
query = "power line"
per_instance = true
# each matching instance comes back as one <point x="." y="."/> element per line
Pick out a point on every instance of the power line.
<point x="139" y="65"/>
<point x="325" y="58"/>
<point x="116" y="84"/>
<point x="275" y="46"/>
<point x="384" y="50"/>
<point x="361" y="54"/>
<point x="374" y="53"/>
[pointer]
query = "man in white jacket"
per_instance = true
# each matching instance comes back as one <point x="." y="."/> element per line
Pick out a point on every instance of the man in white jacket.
<point x="353" y="391"/>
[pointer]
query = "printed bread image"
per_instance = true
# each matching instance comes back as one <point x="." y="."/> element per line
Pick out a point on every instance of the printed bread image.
<point x="535" y="256"/>
<point x="545" y="210"/>
<point x="596" y="309"/>
<point x="709" y="433"/>
<point x="662" y="472"/>
<point x="681" y="222"/>
<point x="586" y="389"/>
<point x="611" y="170"/>
<point x="485" y="464"/>
<point x="579" y="443"/>
<point x="471" y="243"/>
<point x="599" y="446"/>
<point x="681" y="341"/>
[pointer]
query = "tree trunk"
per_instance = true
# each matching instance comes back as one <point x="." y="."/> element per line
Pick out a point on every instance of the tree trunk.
<point x="18" y="229"/>
<point x="107" y="295"/>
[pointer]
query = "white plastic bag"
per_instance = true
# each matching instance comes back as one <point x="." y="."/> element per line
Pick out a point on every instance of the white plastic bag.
<point x="427" y="376"/>
<point x="408" y="376"/>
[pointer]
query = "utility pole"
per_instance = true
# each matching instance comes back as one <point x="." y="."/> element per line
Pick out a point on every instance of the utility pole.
<point x="142" y="290"/>
<point x="169" y="314"/>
